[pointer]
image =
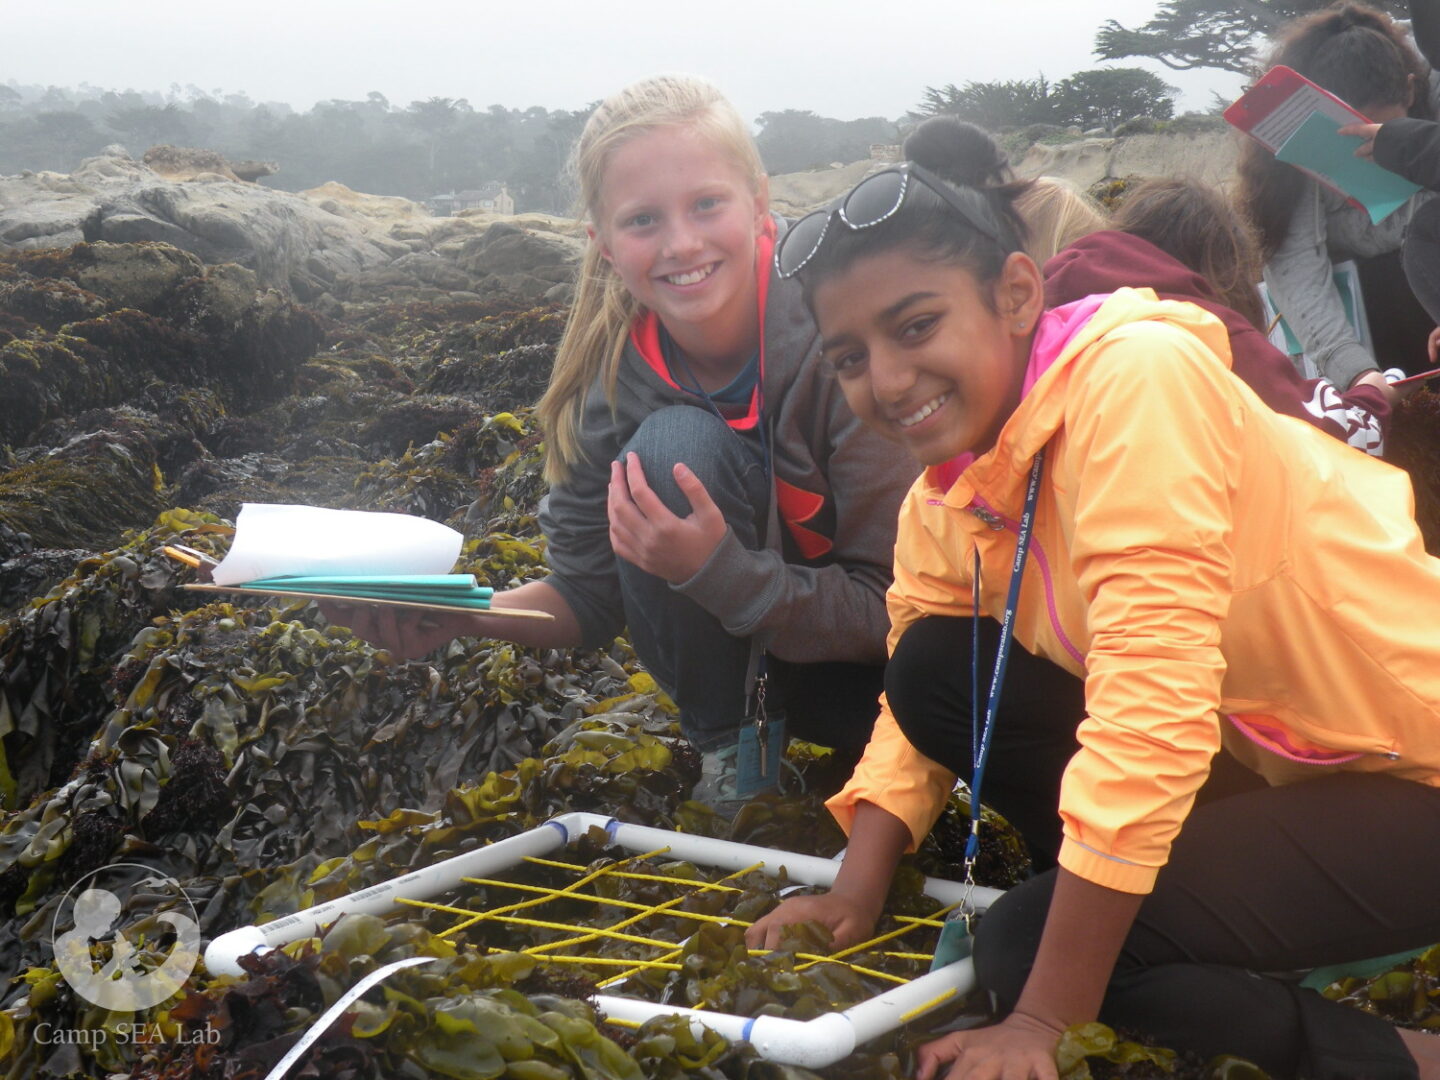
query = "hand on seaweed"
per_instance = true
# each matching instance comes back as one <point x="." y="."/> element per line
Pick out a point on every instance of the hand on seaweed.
<point x="644" y="531"/>
<point x="1020" y="1047"/>
<point x="849" y="919"/>
<point x="408" y="634"/>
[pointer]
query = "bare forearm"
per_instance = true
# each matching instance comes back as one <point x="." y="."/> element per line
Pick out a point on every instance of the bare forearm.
<point x="562" y="632"/>
<point x="849" y="910"/>
<point x="877" y="840"/>
<point x="1378" y="381"/>
<point x="1084" y="931"/>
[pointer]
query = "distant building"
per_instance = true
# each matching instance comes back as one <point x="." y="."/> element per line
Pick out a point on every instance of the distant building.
<point x="492" y="198"/>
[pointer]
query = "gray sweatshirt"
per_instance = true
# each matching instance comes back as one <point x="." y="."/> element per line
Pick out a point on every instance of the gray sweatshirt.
<point x="1325" y="228"/>
<point x="830" y="607"/>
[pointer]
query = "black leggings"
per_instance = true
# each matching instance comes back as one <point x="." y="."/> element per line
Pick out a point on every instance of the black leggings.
<point x="1336" y="869"/>
<point x="831" y="703"/>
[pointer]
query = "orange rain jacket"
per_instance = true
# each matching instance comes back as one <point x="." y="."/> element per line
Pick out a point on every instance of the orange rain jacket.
<point x="1215" y="571"/>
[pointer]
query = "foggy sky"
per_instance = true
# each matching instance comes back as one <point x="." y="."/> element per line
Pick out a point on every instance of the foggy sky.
<point x="844" y="58"/>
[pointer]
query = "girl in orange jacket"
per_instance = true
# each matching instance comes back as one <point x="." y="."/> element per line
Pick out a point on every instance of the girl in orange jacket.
<point x="1217" y="574"/>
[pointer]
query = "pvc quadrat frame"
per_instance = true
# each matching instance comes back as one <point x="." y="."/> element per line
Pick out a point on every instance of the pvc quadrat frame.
<point x="815" y="1043"/>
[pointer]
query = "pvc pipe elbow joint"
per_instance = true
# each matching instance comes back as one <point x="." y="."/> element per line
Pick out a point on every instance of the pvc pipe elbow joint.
<point x="222" y="956"/>
<point x="810" y="1044"/>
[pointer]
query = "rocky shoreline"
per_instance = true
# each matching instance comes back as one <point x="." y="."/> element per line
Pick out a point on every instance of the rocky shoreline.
<point x="165" y="357"/>
<point x="251" y="751"/>
<point x="325" y="247"/>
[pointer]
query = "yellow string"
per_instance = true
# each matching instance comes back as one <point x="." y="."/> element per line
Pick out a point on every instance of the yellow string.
<point x="664" y="958"/>
<point x="589" y="936"/>
<point x="545" y="924"/>
<point x="905" y="1018"/>
<point x="722" y="919"/>
<point x="632" y="875"/>
<point x="478" y="916"/>
<point x="665" y="961"/>
<point x="611" y="961"/>
<point x="677" y="951"/>
<point x="815" y="961"/>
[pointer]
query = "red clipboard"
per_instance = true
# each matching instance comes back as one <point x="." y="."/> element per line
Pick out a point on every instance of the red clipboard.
<point x="1410" y="380"/>
<point x="1271" y="110"/>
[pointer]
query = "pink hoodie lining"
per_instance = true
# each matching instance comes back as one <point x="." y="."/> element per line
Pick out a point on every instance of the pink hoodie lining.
<point x="1276" y="740"/>
<point x="1056" y="329"/>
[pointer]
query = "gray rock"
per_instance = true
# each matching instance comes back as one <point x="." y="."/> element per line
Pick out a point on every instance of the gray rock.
<point x="283" y="238"/>
<point x="563" y="295"/>
<point x="137" y="276"/>
<point x="432" y="270"/>
<point x="60" y="223"/>
<point x="523" y="287"/>
<point x="131" y="228"/>
<point x="508" y="249"/>
<point x="328" y="242"/>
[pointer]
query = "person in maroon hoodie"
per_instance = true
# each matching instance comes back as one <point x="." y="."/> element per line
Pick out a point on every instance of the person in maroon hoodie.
<point x="1182" y="240"/>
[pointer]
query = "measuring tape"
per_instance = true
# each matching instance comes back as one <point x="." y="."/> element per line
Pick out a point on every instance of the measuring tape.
<point x="330" y="1015"/>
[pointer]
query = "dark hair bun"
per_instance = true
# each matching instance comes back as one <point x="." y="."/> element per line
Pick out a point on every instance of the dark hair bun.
<point x="958" y="151"/>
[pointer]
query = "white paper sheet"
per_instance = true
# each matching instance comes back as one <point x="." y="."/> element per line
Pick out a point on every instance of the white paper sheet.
<point x="273" y="539"/>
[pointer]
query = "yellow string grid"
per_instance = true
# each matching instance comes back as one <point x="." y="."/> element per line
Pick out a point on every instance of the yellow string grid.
<point x="582" y="946"/>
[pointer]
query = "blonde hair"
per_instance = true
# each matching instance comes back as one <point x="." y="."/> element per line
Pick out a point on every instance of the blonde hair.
<point x="1056" y="214"/>
<point x="603" y="311"/>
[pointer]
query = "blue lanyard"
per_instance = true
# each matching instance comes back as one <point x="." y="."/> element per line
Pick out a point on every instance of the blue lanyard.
<point x="983" y="733"/>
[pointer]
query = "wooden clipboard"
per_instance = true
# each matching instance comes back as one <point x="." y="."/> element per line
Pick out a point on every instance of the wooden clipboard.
<point x="1274" y="108"/>
<point x="484" y="613"/>
<point x="205" y="563"/>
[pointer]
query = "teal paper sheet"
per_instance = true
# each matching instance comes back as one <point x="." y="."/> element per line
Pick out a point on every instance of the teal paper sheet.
<point x="455" y="590"/>
<point x="424" y="582"/>
<point x="1318" y="147"/>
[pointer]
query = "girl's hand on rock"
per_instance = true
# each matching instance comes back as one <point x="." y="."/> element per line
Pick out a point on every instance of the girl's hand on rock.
<point x="644" y="531"/>
<point x="848" y="919"/>
<point x="1020" y="1047"/>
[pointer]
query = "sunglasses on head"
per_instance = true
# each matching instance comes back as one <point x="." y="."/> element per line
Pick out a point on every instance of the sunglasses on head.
<point x="870" y="202"/>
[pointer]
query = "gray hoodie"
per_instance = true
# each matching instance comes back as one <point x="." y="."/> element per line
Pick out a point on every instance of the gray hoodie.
<point x="825" y="606"/>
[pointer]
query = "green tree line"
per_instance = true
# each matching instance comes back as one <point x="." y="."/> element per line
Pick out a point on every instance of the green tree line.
<point x="421" y="149"/>
<point x="417" y="150"/>
<point x="442" y="144"/>
<point x="1103" y="97"/>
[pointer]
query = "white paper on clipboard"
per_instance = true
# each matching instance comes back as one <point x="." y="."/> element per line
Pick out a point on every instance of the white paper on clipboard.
<point x="276" y="539"/>
<point x="1277" y="106"/>
<point x="1287" y="117"/>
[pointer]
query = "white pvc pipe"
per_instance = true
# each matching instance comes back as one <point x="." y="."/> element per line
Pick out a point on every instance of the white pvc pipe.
<point x="223" y="954"/>
<point x="803" y="869"/>
<point x="813" y="1043"/>
<point x="822" y="1041"/>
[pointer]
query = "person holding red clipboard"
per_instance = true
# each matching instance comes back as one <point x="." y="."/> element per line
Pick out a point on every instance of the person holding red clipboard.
<point x="1361" y="56"/>
<point x="1410" y="148"/>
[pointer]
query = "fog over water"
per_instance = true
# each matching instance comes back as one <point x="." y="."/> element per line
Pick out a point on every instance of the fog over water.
<point x="841" y="58"/>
